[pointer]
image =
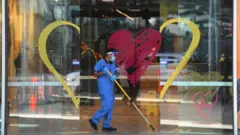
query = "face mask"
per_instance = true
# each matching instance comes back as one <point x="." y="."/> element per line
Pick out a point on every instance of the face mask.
<point x="113" y="59"/>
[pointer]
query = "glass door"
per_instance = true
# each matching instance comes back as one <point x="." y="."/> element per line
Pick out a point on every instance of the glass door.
<point x="41" y="76"/>
<point x="174" y="61"/>
<point x="133" y="30"/>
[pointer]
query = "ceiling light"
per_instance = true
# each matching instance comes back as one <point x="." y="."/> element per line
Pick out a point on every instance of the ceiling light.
<point x="124" y="14"/>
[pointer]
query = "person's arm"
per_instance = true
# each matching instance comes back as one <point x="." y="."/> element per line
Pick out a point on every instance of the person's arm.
<point x="117" y="70"/>
<point x="97" y="70"/>
<point x="97" y="74"/>
<point x="114" y="70"/>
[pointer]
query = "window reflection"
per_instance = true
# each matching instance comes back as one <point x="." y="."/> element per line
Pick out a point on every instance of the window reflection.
<point x="204" y="85"/>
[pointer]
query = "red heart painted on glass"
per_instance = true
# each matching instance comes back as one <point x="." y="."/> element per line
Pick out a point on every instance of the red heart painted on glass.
<point x="135" y="52"/>
<point x="201" y="104"/>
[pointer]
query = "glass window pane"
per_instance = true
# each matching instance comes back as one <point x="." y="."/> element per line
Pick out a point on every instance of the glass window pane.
<point x="38" y="90"/>
<point x="52" y="64"/>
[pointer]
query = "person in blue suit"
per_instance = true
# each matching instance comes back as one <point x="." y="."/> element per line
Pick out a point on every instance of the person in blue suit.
<point x="105" y="84"/>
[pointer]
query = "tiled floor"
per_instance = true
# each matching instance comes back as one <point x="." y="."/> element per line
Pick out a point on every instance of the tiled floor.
<point x="167" y="118"/>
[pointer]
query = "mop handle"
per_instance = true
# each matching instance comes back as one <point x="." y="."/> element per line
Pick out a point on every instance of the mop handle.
<point x="133" y="103"/>
<point x="120" y="87"/>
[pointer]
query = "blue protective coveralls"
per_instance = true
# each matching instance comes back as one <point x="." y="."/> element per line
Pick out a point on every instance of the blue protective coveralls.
<point x="106" y="93"/>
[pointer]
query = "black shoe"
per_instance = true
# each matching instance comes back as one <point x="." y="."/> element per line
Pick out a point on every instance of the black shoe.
<point x="93" y="125"/>
<point x="110" y="129"/>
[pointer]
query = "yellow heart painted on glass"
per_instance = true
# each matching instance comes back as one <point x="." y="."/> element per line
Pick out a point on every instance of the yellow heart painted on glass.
<point x="193" y="46"/>
<point x="43" y="54"/>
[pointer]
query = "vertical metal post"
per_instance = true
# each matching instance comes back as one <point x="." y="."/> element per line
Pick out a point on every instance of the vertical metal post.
<point x="66" y="44"/>
<point x="4" y="108"/>
<point x="210" y="59"/>
<point x="24" y="53"/>
<point x="216" y="31"/>
<point x="235" y="118"/>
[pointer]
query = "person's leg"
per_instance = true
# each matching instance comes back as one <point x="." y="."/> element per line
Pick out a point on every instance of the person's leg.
<point x="117" y="88"/>
<point x="108" y="116"/>
<point x="103" y="110"/>
<point x="128" y="91"/>
<point x="135" y="91"/>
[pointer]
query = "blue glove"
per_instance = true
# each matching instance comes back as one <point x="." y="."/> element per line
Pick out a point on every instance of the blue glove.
<point x="114" y="77"/>
<point x="105" y="70"/>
